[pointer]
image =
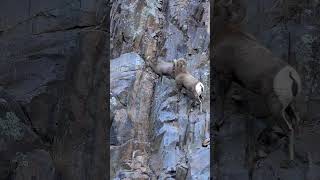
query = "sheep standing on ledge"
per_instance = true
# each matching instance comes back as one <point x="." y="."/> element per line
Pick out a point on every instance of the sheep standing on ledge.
<point x="185" y="80"/>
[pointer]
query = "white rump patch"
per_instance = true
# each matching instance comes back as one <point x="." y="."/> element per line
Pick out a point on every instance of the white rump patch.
<point x="282" y="84"/>
<point x="199" y="88"/>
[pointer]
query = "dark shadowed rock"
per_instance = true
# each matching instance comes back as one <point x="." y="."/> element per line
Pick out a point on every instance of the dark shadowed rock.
<point x="53" y="63"/>
<point x="17" y="136"/>
<point x="34" y="165"/>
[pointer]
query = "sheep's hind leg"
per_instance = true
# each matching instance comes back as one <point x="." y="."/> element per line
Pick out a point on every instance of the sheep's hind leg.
<point x="292" y="113"/>
<point x="278" y="112"/>
<point x="200" y="102"/>
<point x="291" y="136"/>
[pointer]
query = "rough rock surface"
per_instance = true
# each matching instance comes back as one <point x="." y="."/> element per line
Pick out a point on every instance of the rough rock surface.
<point x="52" y="80"/>
<point x="291" y="30"/>
<point x="153" y="136"/>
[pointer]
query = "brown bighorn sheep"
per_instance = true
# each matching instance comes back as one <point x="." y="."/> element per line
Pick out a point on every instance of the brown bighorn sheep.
<point x="178" y="70"/>
<point x="162" y="68"/>
<point x="185" y="79"/>
<point x="167" y="68"/>
<point x="240" y="58"/>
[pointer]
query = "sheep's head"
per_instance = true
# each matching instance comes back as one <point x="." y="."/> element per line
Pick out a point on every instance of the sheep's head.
<point x="199" y="89"/>
<point x="180" y="65"/>
<point x="229" y="12"/>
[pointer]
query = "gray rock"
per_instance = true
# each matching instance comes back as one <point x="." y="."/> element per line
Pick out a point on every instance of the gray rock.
<point x="175" y="132"/>
<point x="123" y="72"/>
<point x="36" y="164"/>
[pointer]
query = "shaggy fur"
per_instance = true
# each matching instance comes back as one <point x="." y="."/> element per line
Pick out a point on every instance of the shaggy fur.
<point x="180" y="66"/>
<point x="162" y="68"/>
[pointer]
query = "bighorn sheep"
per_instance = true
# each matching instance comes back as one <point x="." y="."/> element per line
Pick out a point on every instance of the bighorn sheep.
<point x="178" y="70"/>
<point x="240" y="58"/>
<point x="162" y="68"/>
<point x="184" y="79"/>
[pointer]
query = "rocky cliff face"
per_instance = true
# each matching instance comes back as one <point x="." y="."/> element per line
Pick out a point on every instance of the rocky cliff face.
<point x="52" y="80"/>
<point x="153" y="136"/>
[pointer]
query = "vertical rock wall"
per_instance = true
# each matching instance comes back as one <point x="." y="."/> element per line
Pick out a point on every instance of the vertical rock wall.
<point x="152" y="135"/>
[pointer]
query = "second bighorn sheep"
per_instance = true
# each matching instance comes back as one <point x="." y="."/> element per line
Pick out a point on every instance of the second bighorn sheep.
<point x="162" y="68"/>
<point x="185" y="80"/>
<point x="240" y="58"/>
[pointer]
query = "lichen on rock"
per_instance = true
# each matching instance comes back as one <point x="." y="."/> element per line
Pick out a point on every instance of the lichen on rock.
<point x="10" y="126"/>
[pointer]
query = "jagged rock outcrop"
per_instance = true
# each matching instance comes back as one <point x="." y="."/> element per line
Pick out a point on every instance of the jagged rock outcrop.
<point x="53" y="65"/>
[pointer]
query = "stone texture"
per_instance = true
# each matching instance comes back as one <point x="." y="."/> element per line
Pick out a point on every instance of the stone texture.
<point x="167" y="134"/>
<point x="34" y="165"/>
<point x="53" y="65"/>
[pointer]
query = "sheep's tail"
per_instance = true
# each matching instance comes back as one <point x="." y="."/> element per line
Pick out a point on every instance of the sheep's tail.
<point x="202" y="87"/>
<point x="199" y="88"/>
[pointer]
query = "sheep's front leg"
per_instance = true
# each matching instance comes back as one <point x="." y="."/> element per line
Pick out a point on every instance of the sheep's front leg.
<point x="179" y="89"/>
<point x="161" y="79"/>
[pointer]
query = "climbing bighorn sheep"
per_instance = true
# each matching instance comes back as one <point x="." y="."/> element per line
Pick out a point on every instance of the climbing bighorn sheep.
<point x="185" y="79"/>
<point x="240" y="58"/>
<point x="162" y="68"/>
<point x="178" y="70"/>
<point x="166" y="68"/>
